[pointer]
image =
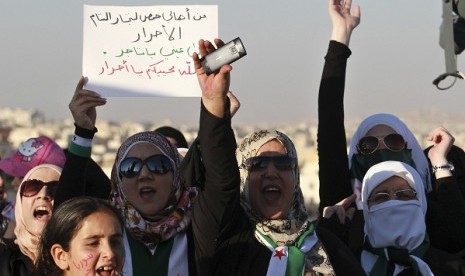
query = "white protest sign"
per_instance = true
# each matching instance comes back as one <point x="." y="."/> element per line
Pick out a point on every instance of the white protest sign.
<point x="145" y="50"/>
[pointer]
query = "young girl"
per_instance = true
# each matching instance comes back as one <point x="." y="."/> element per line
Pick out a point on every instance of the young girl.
<point x="84" y="236"/>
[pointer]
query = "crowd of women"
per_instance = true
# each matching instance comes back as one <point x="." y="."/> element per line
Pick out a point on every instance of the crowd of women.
<point x="387" y="207"/>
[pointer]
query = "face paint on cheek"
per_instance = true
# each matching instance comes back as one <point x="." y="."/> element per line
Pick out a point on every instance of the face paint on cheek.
<point x="83" y="263"/>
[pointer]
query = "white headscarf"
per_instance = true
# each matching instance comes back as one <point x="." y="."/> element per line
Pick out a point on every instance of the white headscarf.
<point x="394" y="223"/>
<point x="421" y="163"/>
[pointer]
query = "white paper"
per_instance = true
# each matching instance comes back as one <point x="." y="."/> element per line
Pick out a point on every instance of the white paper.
<point x="145" y="50"/>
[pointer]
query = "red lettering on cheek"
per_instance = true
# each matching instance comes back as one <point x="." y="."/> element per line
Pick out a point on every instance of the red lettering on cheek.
<point x="83" y="263"/>
<point x="77" y="266"/>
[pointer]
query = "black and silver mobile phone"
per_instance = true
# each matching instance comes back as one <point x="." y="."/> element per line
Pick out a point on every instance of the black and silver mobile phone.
<point x="227" y="54"/>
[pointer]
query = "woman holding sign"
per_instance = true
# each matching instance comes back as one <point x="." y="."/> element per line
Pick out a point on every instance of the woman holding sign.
<point x="148" y="189"/>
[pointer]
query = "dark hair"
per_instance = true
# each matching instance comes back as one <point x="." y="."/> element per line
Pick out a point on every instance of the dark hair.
<point x="177" y="135"/>
<point x="65" y="222"/>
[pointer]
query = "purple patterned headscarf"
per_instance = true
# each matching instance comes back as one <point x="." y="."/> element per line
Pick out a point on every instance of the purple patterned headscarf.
<point x="176" y="215"/>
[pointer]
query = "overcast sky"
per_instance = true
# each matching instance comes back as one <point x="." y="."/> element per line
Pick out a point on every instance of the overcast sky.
<point x="395" y="58"/>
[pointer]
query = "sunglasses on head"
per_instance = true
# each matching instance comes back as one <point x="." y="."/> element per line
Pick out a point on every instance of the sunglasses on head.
<point x="281" y="163"/>
<point x="32" y="187"/>
<point x="157" y="164"/>
<point x="369" y="144"/>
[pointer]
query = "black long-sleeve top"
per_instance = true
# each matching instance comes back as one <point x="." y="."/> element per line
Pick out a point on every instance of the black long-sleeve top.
<point x="445" y="217"/>
<point x="334" y="174"/>
<point x="224" y="235"/>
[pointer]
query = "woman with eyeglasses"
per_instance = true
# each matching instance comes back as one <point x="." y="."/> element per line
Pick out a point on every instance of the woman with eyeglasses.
<point x="33" y="209"/>
<point x="380" y="137"/>
<point x="394" y="208"/>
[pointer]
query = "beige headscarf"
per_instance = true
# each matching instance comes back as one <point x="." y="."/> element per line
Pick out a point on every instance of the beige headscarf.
<point x="26" y="240"/>
<point x="286" y="231"/>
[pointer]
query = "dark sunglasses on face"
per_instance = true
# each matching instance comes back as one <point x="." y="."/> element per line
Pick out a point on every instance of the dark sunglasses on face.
<point x="157" y="164"/>
<point x="32" y="187"/>
<point x="404" y="194"/>
<point x="369" y="144"/>
<point x="282" y="163"/>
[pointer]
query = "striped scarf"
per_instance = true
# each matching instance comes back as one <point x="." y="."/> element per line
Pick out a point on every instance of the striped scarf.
<point x="399" y="258"/>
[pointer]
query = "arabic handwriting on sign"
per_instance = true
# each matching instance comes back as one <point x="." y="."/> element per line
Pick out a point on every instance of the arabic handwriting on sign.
<point x="152" y="52"/>
<point x="189" y="52"/>
<point x="172" y="34"/>
<point x="149" y="54"/>
<point x="158" y="69"/>
<point x="188" y="71"/>
<point x="134" y="50"/>
<point x="149" y="17"/>
<point x="130" y="17"/>
<point x="104" y="67"/>
<point x="153" y="69"/>
<point x="100" y="18"/>
<point x="127" y="18"/>
<point x="173" y="51"/>
<point x="127" y="51"/>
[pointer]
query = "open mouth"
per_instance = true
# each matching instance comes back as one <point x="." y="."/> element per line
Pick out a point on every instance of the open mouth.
<point x="147" y="192"/>
<point x="42" y="212"/>
<point x="271" y="192"/>
<point x="106" y="271"/>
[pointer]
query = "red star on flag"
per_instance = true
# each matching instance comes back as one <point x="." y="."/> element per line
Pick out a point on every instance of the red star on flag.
<point x="279" y="253"/>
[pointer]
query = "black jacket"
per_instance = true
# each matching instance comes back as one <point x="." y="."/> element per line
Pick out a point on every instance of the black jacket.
<point x="13" y="262"/>
<point x="445" y="217"/>
<point x="82" y="176"/>
<point x="228" y="245"/>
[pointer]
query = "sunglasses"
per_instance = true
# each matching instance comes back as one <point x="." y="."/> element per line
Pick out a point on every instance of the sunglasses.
<point x="32" y="187"/>
<point x="157" y="164"/>
<point x="282" y="163"/>
<point x="369" y="144"/>
<point x="404" y="194"/>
